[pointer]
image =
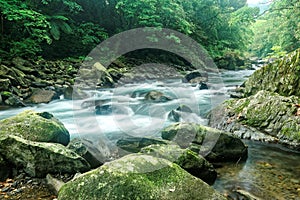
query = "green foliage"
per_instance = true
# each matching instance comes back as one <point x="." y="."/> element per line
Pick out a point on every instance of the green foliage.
<point x="278" y="30"/>
<point x="71" y="28"/>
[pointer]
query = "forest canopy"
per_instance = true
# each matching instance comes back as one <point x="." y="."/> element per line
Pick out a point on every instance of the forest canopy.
<point x="71" y="28"/>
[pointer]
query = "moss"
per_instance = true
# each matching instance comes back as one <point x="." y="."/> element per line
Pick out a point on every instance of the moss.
<point x="40" y="127"/>
<point x="126" y="179"/>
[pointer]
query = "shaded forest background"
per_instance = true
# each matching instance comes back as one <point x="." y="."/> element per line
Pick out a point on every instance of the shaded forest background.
<point x="58" y="29"/>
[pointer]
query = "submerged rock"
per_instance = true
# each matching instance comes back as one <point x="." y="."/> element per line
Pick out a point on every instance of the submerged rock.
<point x="215" y="145"/>
<point x="157" y="96"/>
<point x="40" y="158"/>
<point x="190" y="161"/>
<point x="138" y="177"/>
<point x="264" y="116"/>
<point x="39" y="127"/>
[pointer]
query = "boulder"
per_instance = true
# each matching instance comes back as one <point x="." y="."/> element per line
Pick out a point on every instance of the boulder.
<point x="138" y="177"/>
<point x="41" y="96"/>
<point x="40" y="158"/>
<point x="190" y="161"/>
<point x="86" y="149"/>
<point x="157" y="96"/>
<point x="264" y="116"/>
<point x="39" y="127"/>
<point x="282" y="76"/>
<point x="215" y="145"/>
<point x="176" y="114"/>
<point x="196" y="77"/>
<point x="135" y="144"/>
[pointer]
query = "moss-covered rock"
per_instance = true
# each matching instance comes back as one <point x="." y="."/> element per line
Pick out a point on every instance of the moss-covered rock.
<point x="215" y="145"/>
<point x="39" y="127"/>
<point x="5" y="169"/>
<point x="264" y="116"/>
<point x="190" y="161"/>
<point x="281" y="76"/>
<point x="40" y="158"/>
<point x="137" y="177"/>
<point x="135" y="144"/>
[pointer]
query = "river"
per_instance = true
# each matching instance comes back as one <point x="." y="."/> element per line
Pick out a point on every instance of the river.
<point x="270" y="172"/>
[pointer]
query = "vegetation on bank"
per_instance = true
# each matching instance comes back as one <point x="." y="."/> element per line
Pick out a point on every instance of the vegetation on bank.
<point x="72" y="28"/>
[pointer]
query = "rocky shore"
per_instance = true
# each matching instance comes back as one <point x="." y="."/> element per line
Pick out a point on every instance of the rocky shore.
<point x="33" y="146"/>
<point x="269" y="107"/>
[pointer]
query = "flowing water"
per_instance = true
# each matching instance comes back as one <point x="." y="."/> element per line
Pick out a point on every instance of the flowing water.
<point x="270" y="172"/>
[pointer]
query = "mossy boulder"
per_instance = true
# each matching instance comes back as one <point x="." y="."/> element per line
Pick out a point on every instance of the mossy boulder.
<point x="40" y="158"/>
<point x="214" y="144"/>
<point x="34" y="126"/>
<point x="135" y="144"/>
<point x="282" y="76"/>
<point x="190" y="161"/>
<point x="138" y="177"/>
<point x="272" y="116"/>
<point x="5" y="169"/>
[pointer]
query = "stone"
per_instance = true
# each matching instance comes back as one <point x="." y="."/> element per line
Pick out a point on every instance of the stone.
<point x="54" y="183"/>
<point x="272" y="116"/>
<point x="157" y="96"/>
<point x="86" y="149"/>
<point x="193" y="163"/>
<point x="41" y="96"/>
<point x="203" y="86"/>
<point x="135" y="144"/>
<point x="40" y="158"/>
<point x="5" y="85"/>
<point x="215" y="145"/>
<point x="176" y="114"/>
<point x="138" y="177"/>
<point x="196" y="77"/>
<point x="34" y="126"/>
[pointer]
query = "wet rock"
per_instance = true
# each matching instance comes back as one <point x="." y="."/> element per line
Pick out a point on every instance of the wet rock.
<point x="213" y="144"/>
<point x="40" y="158"/>
<point x="203" y="86"/>
<point x="138" y="177"/>
<point x="41" y="96"/>
<point x="190" y="161"/>
<point x="265" y="116"/>
<point x="157" y="96"/>
<point x="40" y="127"/>
<point x="135" y="144"/>
<point x="196" y="77"/>
<point x="68" y="93"/>
<point x="177" y="114"/>
<point x="86" y="149"/>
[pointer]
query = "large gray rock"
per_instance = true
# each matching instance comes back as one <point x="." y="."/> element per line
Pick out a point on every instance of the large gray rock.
<point x="265" y="116"/>
<point x="190" y="161"/>
<point x="41" y="96"/>
<point x="40" y="158"/>
<point x="215" y="145"/>
<point x="138" y="177"/>
<point x="40" y="127"/>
